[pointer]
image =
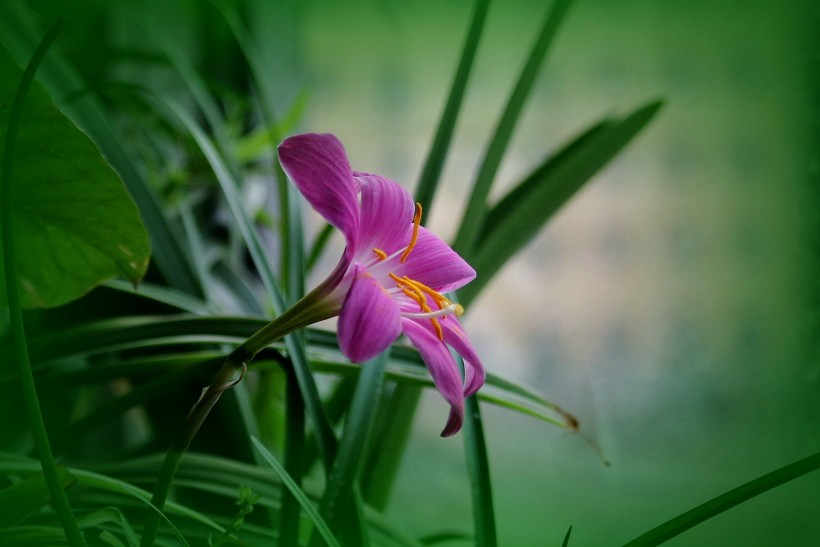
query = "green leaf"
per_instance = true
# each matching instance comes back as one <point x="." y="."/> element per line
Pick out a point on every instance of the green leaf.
<point x="33" y="536"/>
<point x="565" y="543"/>
<point x="320" y="524"/>
<point x="521" y="214"/>
<point x="478" y="470"/>
<point x="477" y="203"/>
<point x="75" y="225"/>
<point x="428" y="181"/>
<point x="341" y="500"/>
<point x="89" y="113"/>
<point x="23" y="499"/>
<point x="715" y="506"/>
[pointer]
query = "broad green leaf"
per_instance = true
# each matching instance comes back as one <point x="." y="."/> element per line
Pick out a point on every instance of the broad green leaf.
<point x="91" y="115"/>
<point x="75" y="225"/>
<point x="23" y="499"/>
<point x="521" y="214"/>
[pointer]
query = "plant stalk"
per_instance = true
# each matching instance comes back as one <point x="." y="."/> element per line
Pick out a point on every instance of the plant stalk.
<point x="59" y="500"/>
<point x="308" y="310"/>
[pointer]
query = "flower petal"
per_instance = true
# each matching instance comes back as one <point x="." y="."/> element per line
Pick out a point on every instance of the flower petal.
<point x="386" y="215"/>
<point x="369" y="321"/>
<point x="435" y="264"/>
<point x="443" y="368"/>
<point x="454" y="335"/>
<point x="318" y="166"/>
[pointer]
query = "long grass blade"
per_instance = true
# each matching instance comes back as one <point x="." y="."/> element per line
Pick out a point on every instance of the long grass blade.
<point x="724" y="502"/>
<point x="294" y="460"/>
<point x="477" y="203"/>
<point x="521" y="214"/>
<point x="339" y="502"/>
<point x="478" y="470"/>
<point x="431" y="172"/>
<point x="320" y="525"/>
<point x="227" y="181"/>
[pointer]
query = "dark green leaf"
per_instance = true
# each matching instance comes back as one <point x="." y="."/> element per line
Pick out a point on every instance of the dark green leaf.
<point x="428" y="182"/>
<point x="339" y="500"/>
<point x="320" y="524"/>
<point x="478" y="470"/>
<point x="565" y="543"/>
<point x="715" y="506"/>
<point x="521" y="214"/>
<point x="89" y="113"/>
<point x="476" y="209"/>
<point x="75" y="225"/>
<point x="27" y="497"/>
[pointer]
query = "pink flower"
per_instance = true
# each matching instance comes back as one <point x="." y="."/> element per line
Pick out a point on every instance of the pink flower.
<point x="393" y="273"/>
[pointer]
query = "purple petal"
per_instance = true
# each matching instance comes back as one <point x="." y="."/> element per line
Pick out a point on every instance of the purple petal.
<point x="386" y="216"/>
<point x="435" y="264"/>
<point x="369" y="321"/>
<point x="454" y="335"/>
<point x="443" y="368"/>
<point x="318" y="166"/>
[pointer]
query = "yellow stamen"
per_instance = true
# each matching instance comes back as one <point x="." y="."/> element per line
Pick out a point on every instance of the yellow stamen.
<point x="419" y="292"/>
<point x="381" y="254"/>
<point x="415" y="237"/>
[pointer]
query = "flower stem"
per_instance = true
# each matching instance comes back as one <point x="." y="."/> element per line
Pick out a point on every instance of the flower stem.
<point x="308" y="310"/>
<point x="59" y="500"/>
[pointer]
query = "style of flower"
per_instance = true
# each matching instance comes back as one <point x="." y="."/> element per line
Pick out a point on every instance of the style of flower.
<point x="393" y="274"/>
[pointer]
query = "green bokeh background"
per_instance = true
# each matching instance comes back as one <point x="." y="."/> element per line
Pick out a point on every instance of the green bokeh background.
<point x="671" y="306"/>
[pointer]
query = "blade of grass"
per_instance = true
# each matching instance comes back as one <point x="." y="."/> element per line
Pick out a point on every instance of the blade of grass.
<point x="165" y="295"/>
<point x="478" y="469"/>
<point x="565" y="543"/>
<point x="431" y="172"/>
<point x="476" y="209"/>
<point x="393" y="433"/>
<point x="91" y="116"/>
<point x="736" y="496"/>
<point x="59" y="500"/>
<point x="294" y="460"/>
<point x="228" y="184"/>
<point x="521" y="214"/>
<point x="27" y="497"/>
<point x="290" y="211"/>
<point x="339" y="501"/>
<point x="113" y="335"/>
<point x="401" y="406"/>
<point x="319" y="523"/>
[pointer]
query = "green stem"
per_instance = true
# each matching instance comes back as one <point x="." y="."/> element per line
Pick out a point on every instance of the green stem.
<point x="35" y="416"/>
<point x="310" y="309"/>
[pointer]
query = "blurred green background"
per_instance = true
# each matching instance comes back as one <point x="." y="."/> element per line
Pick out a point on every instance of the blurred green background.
<point x="670" y="306"/>
<point x="666" y="306"/>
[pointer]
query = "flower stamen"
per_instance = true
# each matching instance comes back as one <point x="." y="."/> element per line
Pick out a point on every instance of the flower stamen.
<point x="379" y="253"/>
<point x="419" y="292"/>
<point x="415" y="236"/>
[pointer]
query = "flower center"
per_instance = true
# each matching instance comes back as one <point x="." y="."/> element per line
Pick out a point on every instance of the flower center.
<point x="420" y="293"/>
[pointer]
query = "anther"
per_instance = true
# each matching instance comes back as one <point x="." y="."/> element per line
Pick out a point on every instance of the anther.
<point x="415" y="236"/>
